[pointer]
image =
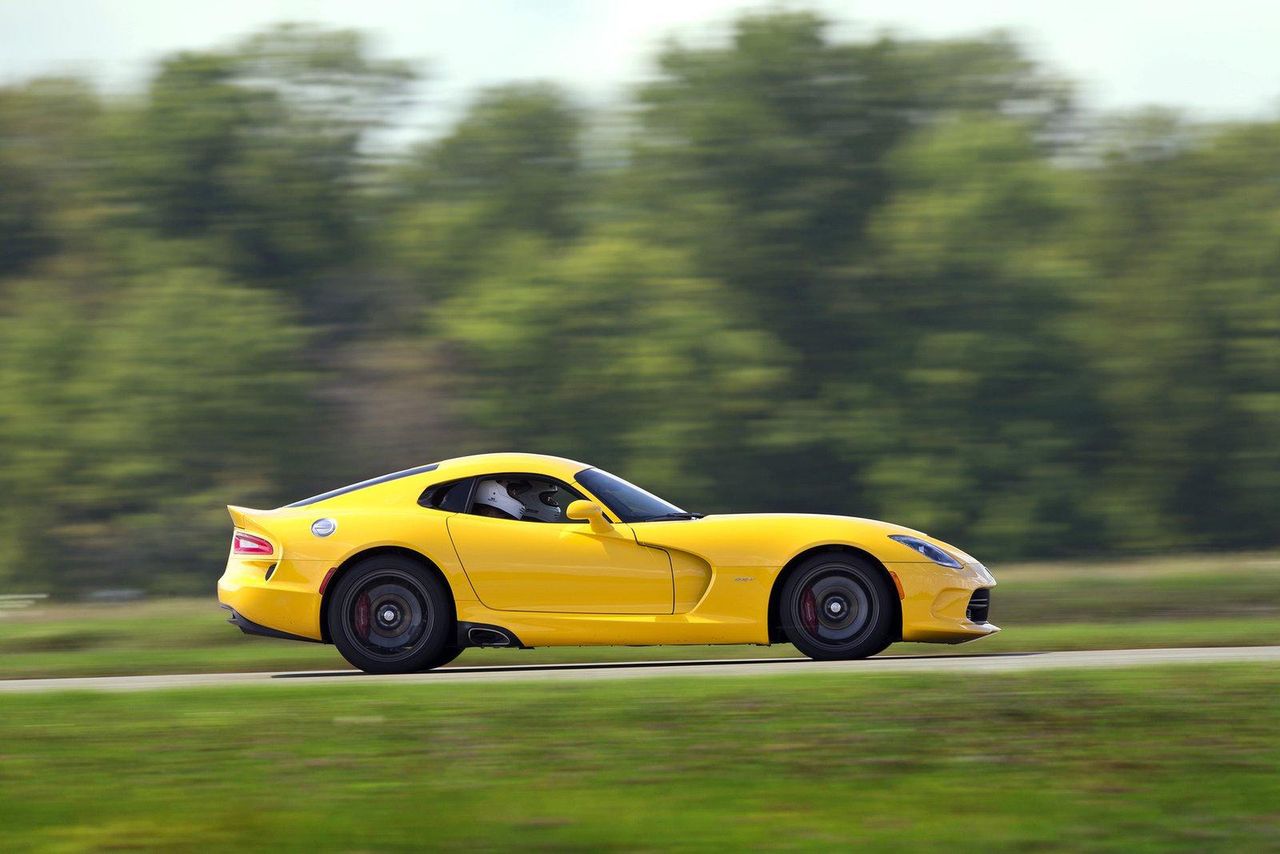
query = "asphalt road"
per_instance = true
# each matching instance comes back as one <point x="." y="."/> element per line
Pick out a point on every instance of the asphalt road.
<point x="977" y="663"/>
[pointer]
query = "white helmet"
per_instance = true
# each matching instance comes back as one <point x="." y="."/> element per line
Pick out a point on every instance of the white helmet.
<point x="493" y="494"/>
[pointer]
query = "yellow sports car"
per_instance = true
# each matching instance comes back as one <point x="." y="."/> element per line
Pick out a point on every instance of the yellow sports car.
<point x="404" y="571"/>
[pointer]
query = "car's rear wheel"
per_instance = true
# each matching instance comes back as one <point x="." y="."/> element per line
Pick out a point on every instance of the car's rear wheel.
<point x="390" y="615"/>
<point x="836" y="606"/>
<point x="447" y="654"/>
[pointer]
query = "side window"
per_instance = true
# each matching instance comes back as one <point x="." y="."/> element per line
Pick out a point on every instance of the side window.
<point x="450" y="497"/>
<point x="523" y="497"/>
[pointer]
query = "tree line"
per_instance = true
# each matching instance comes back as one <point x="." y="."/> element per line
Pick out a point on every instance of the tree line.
<point x="891" y="277"/>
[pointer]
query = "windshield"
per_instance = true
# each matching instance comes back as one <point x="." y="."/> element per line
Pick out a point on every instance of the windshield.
<point x="628" y="501"/>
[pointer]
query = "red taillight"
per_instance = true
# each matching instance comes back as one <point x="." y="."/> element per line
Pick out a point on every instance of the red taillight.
<point x="248" y="544"/>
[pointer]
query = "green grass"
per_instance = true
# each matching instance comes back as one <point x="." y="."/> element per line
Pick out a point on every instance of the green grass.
<point x="1219" y="600"/>
<point x="1197" y="587"/>
<point x="1183" y="758"/>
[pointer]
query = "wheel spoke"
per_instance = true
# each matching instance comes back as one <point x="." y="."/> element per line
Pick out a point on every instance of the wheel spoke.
<point x="390" y="616"/>
<point x="835" y="608"/>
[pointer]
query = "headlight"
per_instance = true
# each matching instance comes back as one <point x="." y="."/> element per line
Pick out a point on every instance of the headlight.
<point x="929" y="550"/>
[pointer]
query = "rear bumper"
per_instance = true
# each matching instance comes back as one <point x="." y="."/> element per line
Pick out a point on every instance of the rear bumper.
<point x="936" y="602"/>
<point x="288" y="604"/>
<point x="249" y="627"/>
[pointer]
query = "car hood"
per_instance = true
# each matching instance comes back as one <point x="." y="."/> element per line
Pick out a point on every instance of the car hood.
<point x="806" y="521"/>
<point x="772" y="539"/>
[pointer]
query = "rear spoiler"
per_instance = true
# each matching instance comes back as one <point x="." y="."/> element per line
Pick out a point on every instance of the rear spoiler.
<point x="247" y="519"/>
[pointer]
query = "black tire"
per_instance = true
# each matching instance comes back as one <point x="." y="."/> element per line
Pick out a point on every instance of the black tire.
<point x="836" y="606"/>
<point x="447" y="654"/>
<point x="389" y="614"/>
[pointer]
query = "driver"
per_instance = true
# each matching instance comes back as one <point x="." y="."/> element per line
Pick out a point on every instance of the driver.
<point x="492" y="499"/>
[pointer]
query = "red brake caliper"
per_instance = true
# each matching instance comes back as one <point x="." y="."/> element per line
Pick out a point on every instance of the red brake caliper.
<point x="809" y="611"/>
<point x="362" y="616"/>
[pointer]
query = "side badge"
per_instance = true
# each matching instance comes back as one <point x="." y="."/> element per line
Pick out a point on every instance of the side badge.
<point x="323" y="527"/>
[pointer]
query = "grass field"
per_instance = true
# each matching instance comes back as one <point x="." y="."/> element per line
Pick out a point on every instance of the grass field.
<point x="1213" y="600"/>
<point x="1183" y="758"/>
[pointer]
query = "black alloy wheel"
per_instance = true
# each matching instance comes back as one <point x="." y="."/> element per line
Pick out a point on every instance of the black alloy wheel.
<point x="836" y="606"/>
<point x="389" y="614"/>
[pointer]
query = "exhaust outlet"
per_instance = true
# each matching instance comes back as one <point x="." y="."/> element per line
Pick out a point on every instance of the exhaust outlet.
<point x="478" y="636"/>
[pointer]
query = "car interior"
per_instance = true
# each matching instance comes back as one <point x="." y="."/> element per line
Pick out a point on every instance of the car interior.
<point x="524" y="497"/>
<point x="540" y="500"/>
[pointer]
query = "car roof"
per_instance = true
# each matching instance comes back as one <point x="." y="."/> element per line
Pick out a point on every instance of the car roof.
<point x="512" y="463"/>
<point x="388" y="487"/>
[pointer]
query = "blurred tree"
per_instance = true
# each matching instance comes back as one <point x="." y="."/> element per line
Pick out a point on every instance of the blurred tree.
<point x="260" y="148"/>
<point x="126" y="430"/>
<point x="47" y="135"/>
<point x="175" y="154"/>
<point x="887" y="277"/>
<point x="1188" y="329"/>
<point x="616" y="351"/>
<point x="515" y="153"/>
<point x="993" y="425"/>
<point x="769" y="157"/>
<point x="510" y="167"/>
<point x="41" y="349"/>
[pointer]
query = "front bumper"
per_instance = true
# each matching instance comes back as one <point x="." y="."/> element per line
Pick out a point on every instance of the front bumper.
<point x="938" y="603"/>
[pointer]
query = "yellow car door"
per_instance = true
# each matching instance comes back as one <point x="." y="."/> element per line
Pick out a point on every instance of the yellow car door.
<point x="561" y="567"/>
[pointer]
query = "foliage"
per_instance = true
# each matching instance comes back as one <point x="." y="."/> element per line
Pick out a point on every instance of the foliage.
<point x="901" y="278"/>
<point x="610" y="349"/>
<point x="126" y="425"/>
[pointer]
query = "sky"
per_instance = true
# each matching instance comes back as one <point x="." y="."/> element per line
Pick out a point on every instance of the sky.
<point x="1215" y="59"/>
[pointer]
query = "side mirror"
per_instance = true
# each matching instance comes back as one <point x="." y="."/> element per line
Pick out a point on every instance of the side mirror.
<point x="590" y="511"/>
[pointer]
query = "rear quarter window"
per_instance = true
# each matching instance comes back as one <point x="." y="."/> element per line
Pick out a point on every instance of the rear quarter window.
<point x="450" y="497"/>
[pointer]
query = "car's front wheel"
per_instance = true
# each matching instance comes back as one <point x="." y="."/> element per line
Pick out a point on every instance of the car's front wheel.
<point x="390" y="615"/>
<point x="836" y="606"/>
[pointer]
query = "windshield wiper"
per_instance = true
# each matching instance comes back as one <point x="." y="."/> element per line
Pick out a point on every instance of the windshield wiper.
<point x="669" y="516"/>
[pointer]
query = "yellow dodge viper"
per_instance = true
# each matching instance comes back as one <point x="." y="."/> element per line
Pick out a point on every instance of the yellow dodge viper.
<point x="404" y="571"/>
